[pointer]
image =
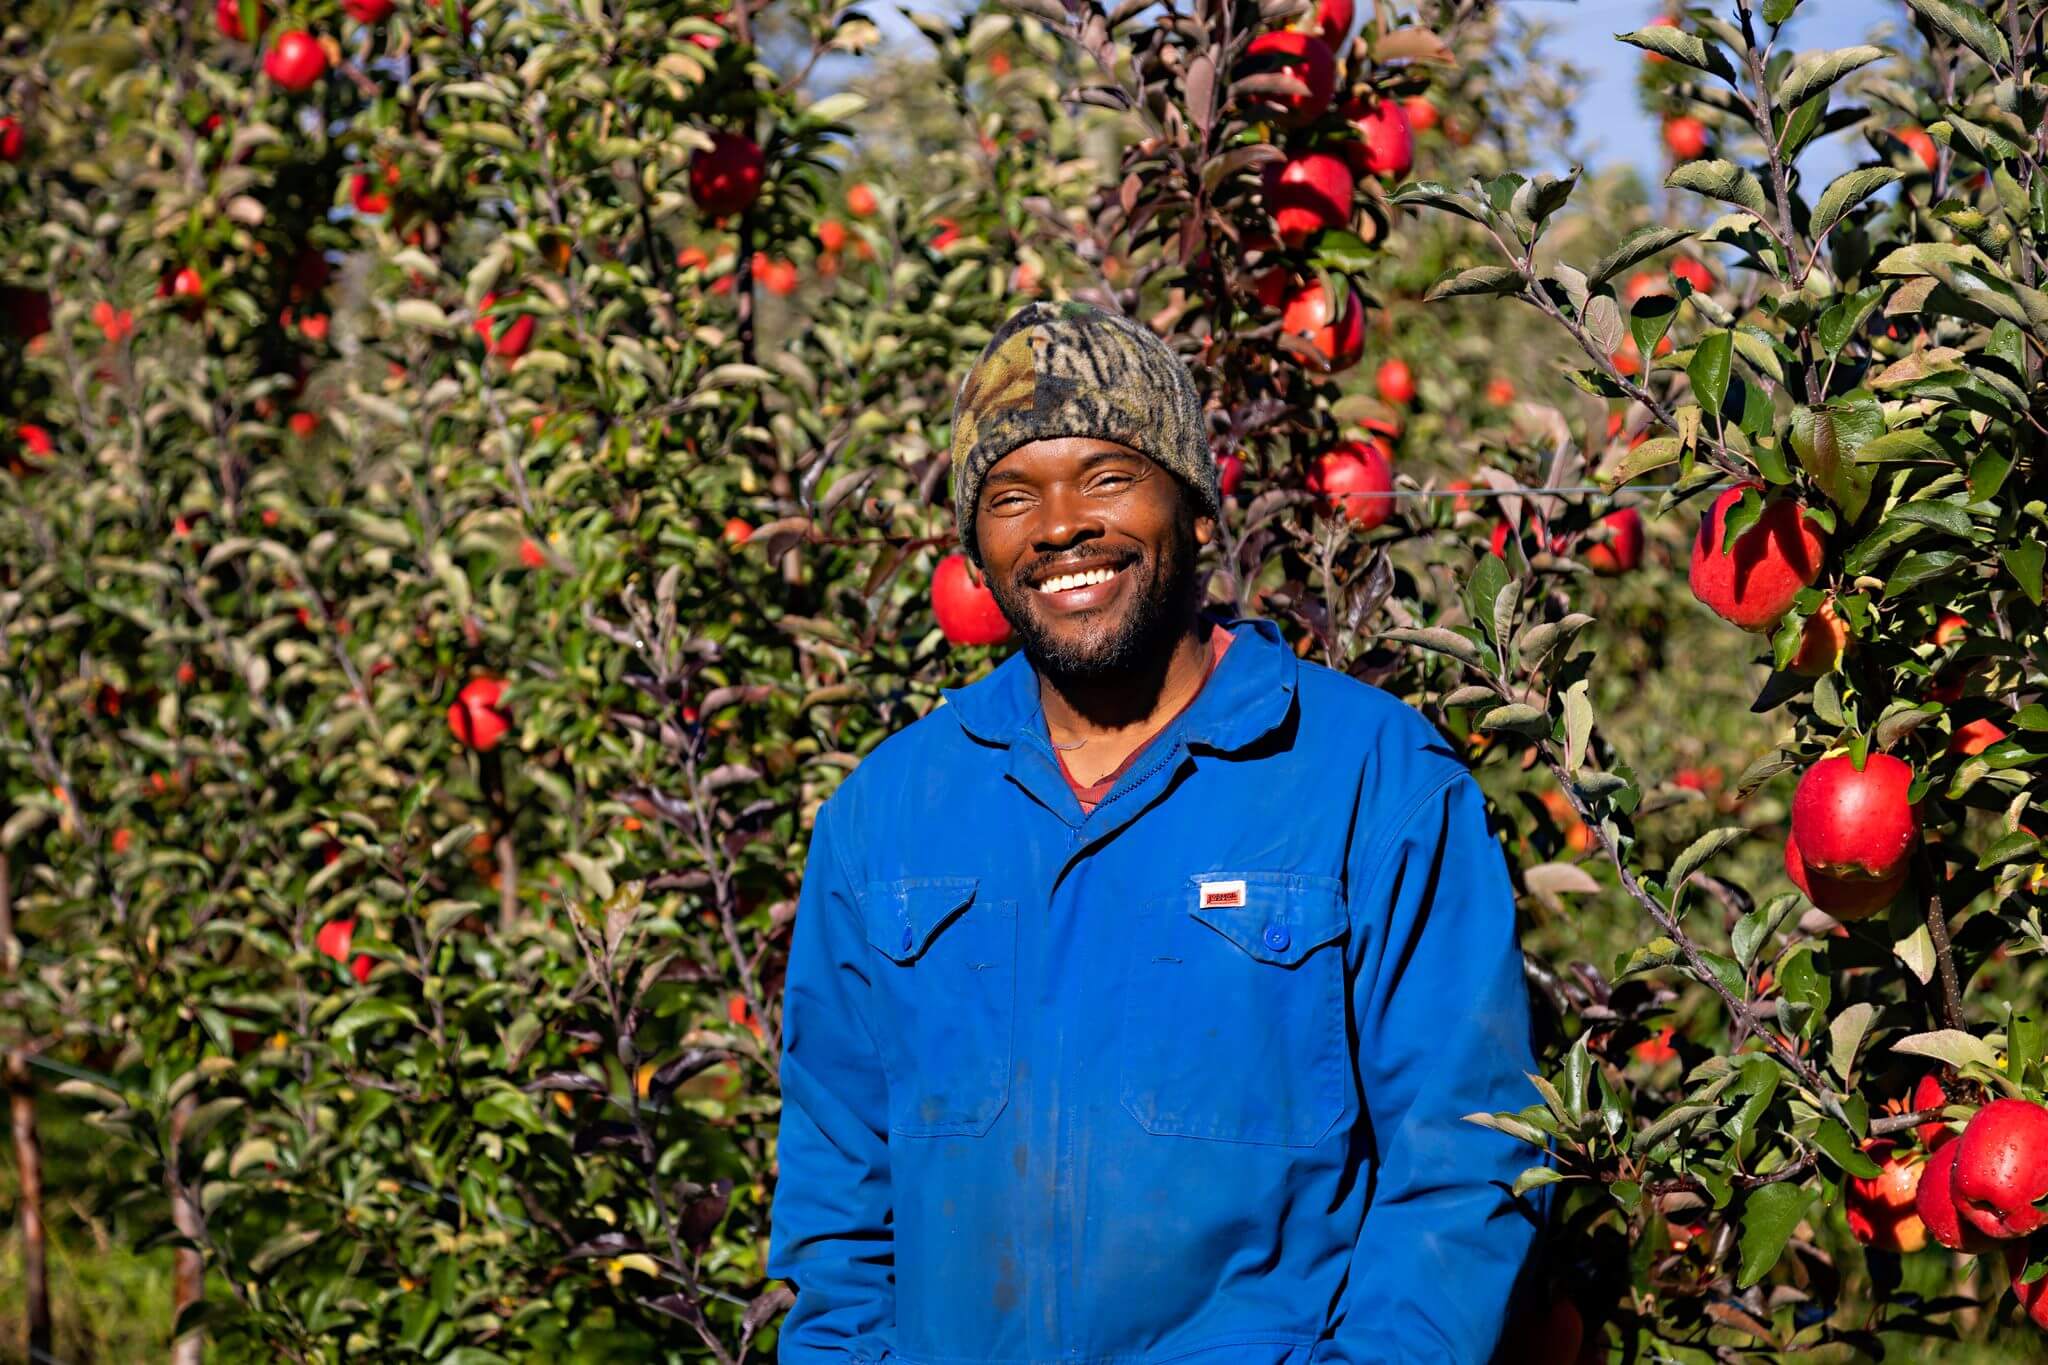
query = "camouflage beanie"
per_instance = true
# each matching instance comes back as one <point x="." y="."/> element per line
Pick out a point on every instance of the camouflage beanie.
<point x="1071" y="369"/>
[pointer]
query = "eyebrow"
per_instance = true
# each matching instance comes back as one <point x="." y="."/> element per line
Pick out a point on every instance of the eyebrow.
<point x="1088" y="462"/>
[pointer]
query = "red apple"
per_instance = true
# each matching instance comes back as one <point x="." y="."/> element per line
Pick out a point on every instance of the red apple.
<point x="1422" y="115"/>
<point x="1500" y="391"/>
<point x="860" y="201"/>
<point x="1856" y="825"/>
<point x="1308" y="314"/>
<point x="1935" y="1202"/>
<point x="1975" y="737"/>
<point x="1355" y="477"/>
<point x="531" y="555"/>
<point x="2002" y="1168"/>
<point x="1919" y="144"/>
<point x="303" y="424"/>
<point x="1229" y="474"/>
<point x="831" y="234"/>
<point x="295" y="60"/>
<point x="364" y="195"/>
<point x="13" y="139"/>
<point x="1847" y="899"/>
<point x="1395" y="382"/>
<point x="1622" y="551"/>
<point x="1880" y="1208"/>
<point x="1686" y="136"/>
<point x="1307" y="193"/>
<point x="965" y="608"/>
<point x="475" y="718"/>
<point x="334" y="939"/>
<point x="726" y="177"/>
<point x="227" y="15"/>
<point x="2033" y="1298"/>
<point x="948" y="233"/>
<point x="187" y="284"/>
<point x="1656" y="1049"/>
<point x="1753" y="586"/>
<point x="1308" y="60"/>
<point x="1693" y="273"/>
<point x="1333" y="20"/>
<point x="37" y="444"/>
<point x="369" y="11"/>
<point x="510" y="337"/>
<point x="1930" y="1094"/>
<point x="736" y="531"/>
<point x="1821" y="642"/>
<point x="1386" y="144"/>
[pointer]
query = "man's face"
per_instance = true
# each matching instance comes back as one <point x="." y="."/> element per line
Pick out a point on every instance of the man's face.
<point x="1055" y="509"/>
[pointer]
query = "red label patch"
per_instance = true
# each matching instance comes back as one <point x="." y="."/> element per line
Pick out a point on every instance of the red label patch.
<point x="1222" y="894"/>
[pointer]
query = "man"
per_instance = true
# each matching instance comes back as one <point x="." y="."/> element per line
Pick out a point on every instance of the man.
<point x="1139" y="990"/>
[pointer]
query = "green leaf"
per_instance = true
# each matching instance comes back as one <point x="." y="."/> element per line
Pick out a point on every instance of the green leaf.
<point x="1535" y="1176"/>
<point x="1834" y="1141"/>
<point x="1969" y="25"/>
<point x="2023" y="562"/>
<point x="1722" y="180"/>
<point x="1518" y="717"/>
<point x="1633" y="250"/>
<point x="1479" y="280"/>
<point x="1649" y="320"/>
<point x="1953" y="1046"/>
<point x="1438" y="640"/>
<point x="1754" y="929"/>
<point x="1818" y="71"/>
<point x="1841" y="321"/>
<point x="1578" y="725"/>
<point x="1484" y="590"/>
<point x="2018" y="846"/>
<point x="1844" y="193"/>
<point x="365" y="1013"/>
<point x="283" y="1246"/>
<point x="1699" y="850"/>
<point x="1687" y="49"/>
<point x="1708" y="369"/>
<point x="1845" y="1036"/>
<point x="1339" y="252"/>
<point x="1652" y="454"/>
<point x="1769" y="1215"/>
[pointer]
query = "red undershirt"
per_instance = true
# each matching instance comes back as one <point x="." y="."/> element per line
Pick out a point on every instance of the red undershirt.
<point x="1091" y="795"/>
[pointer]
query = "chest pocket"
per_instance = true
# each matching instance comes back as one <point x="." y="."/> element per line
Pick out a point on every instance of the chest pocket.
<point x="945" y="983"/>
<point x="1234" y="1019"/>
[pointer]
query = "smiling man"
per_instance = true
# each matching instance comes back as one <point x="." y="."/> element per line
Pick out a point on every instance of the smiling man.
<point x="1138" y="993"/>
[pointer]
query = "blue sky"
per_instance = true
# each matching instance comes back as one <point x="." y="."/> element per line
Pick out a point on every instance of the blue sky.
<point x="1613" y="128"/>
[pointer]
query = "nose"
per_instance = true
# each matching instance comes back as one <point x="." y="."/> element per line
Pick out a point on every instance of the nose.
<point x="1066" y="517"/>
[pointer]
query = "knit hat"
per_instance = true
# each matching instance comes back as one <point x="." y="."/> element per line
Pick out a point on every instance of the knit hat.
<point x="1072" y="369"/>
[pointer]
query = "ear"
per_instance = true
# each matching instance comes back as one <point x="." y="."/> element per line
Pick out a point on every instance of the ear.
<point x="1205" y="529"/>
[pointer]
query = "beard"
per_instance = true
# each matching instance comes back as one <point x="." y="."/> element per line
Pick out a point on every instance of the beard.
<point x="1161" y="600"/>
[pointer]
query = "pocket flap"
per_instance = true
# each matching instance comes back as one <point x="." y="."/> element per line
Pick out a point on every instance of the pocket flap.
<point x="1274" y="919"/>
<point x="902" y="916"/>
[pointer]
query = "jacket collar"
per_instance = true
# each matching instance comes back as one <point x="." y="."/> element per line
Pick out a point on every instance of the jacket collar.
<point x="1248" y="696"/>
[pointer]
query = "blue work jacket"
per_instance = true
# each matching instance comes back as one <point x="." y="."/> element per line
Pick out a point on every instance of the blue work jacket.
<point x="1181" y="1079"/>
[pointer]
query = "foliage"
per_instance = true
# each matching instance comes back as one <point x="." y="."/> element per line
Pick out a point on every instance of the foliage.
<point x="431" y="1051"/>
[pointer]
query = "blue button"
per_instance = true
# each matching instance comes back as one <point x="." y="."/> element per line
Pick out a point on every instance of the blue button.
<point x="909" y="939"/>
<point x="1276" y="937"/>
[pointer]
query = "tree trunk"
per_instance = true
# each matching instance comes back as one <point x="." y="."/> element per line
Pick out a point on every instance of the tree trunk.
<point x="28" y="1153"/>
<point x="189" y="1273"/>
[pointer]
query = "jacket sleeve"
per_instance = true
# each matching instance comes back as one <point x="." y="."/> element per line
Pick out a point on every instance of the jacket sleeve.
<point x="830" y="1224"/>
<point x="1443" y="1031"/>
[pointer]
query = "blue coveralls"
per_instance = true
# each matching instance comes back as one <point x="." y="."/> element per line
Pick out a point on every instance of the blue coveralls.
<point x="1182" y="1079"/>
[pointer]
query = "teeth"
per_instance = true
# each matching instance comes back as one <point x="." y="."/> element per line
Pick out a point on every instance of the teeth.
<point x="1070" y="581"/>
